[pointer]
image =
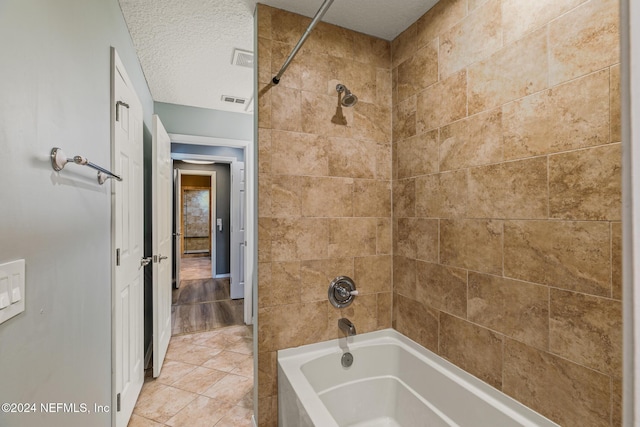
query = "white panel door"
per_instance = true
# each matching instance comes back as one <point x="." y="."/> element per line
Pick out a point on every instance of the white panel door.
<point x="161" y="242"/>
<point x="177" y="214"/>
<point x="238" y="222"/>
<point x="128" y="244"/>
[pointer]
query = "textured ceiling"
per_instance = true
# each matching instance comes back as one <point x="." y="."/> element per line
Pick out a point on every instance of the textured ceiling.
<point x="186" y="46"/>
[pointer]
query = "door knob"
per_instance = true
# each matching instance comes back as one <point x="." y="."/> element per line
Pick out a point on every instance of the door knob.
<point x="145" y="261"/>
<point x="161" y="257"/>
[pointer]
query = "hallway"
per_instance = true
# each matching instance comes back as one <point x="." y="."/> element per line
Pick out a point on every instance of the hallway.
<point x="202" y="303"/>
<point x="206" y="380"/>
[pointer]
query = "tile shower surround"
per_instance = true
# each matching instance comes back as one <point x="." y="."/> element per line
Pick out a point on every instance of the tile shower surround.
<point x="495" y="126"/>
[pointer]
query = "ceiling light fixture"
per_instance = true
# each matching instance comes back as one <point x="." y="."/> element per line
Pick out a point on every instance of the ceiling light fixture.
<point x="199" y="162"/>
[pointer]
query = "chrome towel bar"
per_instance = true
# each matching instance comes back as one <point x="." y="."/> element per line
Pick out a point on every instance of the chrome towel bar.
<point x="59" y="160"/>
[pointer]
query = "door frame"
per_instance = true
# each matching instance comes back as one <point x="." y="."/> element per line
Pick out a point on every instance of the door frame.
<point x="250" y="267"/>
<point x="212" y="214"/>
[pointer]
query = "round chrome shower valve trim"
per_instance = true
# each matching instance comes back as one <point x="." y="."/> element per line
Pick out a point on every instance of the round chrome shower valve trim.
<point x="342" y="291"/>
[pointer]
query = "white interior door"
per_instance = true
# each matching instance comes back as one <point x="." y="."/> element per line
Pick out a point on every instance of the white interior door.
<point x="177" y="214"/>
<point x="161" y="242"/>
<point x="128" y="244"/>
<point x="238" y="223"/>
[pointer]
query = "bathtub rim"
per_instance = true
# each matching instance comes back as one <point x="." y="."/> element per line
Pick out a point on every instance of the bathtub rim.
<point x="291" y="360"/>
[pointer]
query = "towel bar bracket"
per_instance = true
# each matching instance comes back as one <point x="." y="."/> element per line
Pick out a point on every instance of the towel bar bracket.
<point x="59" y="160"/>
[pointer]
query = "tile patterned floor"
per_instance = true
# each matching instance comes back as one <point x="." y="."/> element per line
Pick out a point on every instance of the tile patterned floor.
<point x="206" y="381"/>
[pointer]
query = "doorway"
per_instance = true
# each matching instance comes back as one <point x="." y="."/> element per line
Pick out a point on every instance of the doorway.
<point x="201" y="298"/>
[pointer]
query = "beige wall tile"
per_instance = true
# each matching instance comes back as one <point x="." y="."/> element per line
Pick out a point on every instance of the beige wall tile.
<point x="279" y="284"/>
<point x="519" y="17"/>
<point x="474" y="38"/>
<point x="416" y="321"/>
<point x="472" y="244"/>
<point x="326" y="197"/>
<point x="616" y="260"/>
<point x="615" y="104"/>
<point x="519" y="310"/>
<point x="509" y="190"/>
<point x="385" y="309"/>
<point x="264" y="20"/>
<point x="299" y="238"/>
<point x="321" y="117"/>
<point x="285" y="109"/>
<point x="567" y="393"/>
<point x="474" y="141"/>
<point x="476" y="350"/>
<point x="404" y="119"/>
<point x="314" y="71"/>
<point x="442" y="16"/>
<point x="384" y="242"/>
<point x="587" y="330"/>
<point x="371" y="198"/>
<point x="360" y="78"/>
<point x="443" y="288"/>
<point x="584" y="40"/>
<point x="616" y="402"/>
<point x="352" y="157"/>
<point x="442" y="103"/>
<point x="403" y="46"/>
<point x="264" y="106"/>
<point x="316" y="275"/>
<point x="286" y="27"/>
<point x="572" y="115"/>
<point x="267" y="374"/>
<point x="372" y="122"/>
<point x="264" y="60"/>
<point x="293" y="77"/>
<point x="418" y="238"/>
<point x="268" y="411"/>
<point x="274" y="331"/>
<point x="298" y="154"/>
<point x="331" y="40"/>
<point x="418" y="155"/>
<point x="404" y="276"/>
<point x="264" y="190"/>
<point x="373" y="274"/>
<point x="352" y="237"/>
<point x="264" y="151"/>
<point x="383" y="162"/>
<point x="442" y="195"/>
<point x="404" y="198"/>
<point x="517" y="70"/>
<point x="383" y="88"/>
<point x="363" y="313"/>
<point x="285" y="195"/>
<point x="568" y="255"/>
<point x="586" y="184"/>
<point x="371" y="50"/>
<point x="264" y="239"/>
<point x="419" y="71"/>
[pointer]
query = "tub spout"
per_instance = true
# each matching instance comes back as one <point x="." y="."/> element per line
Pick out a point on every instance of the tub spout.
<point x="346" y="326"/>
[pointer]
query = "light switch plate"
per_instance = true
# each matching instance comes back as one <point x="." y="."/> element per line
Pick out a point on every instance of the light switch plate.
<point x="12" y="279"/>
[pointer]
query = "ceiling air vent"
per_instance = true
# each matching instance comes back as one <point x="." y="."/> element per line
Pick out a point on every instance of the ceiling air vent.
<point x="234" y="100"/>
<point x="243" y="58"/>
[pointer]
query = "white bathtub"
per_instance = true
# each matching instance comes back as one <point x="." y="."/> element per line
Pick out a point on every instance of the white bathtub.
<point x="393" y="382"/>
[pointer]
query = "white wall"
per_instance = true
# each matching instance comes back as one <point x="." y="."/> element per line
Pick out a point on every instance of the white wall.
<point x="55" y="91"/>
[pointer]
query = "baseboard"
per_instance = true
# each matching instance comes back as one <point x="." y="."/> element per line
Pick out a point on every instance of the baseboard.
<point x="221" y="276"/>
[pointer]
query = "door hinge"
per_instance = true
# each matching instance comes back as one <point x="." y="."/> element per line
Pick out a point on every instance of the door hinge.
<point x="118" y="402"/>
<point x="118" y="105"/>
<point x="117" y="256"/>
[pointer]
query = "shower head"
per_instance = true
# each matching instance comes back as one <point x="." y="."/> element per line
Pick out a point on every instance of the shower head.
<point x="348" y="99"/>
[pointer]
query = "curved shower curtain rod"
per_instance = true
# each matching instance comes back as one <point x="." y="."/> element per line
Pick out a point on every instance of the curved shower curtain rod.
<point x="323" y="9"/>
